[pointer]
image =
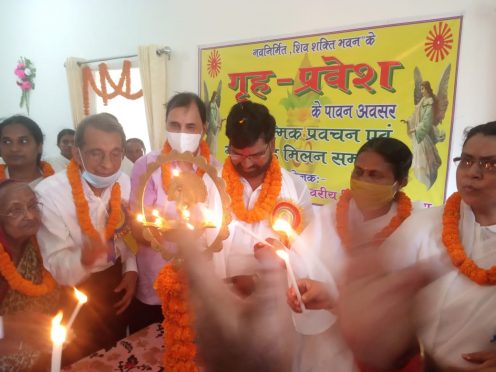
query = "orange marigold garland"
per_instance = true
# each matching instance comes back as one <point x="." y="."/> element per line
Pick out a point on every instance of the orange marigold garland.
<point x="204" y="151"/>
<point x="119" y="88"/>
<point x="180" y="349"/>
<point x="18" y="283"/>
<point x="266" y="201"/>
<point x="455" y="249"/>
<point x="46" y="170"/>
<point x="404" y="209"/>
<point x="82" y="209"/>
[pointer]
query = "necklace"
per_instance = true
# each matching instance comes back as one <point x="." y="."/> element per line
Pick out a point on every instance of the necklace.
<point x="82" y="208"/>
<point x="455" y="249"/>
<point x="271" y="188"/>
<point x="403" y="210"/>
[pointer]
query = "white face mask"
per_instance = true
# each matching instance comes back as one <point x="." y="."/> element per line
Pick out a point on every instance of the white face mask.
<point x="99" y="182"/>
<point x="182" y="142"/>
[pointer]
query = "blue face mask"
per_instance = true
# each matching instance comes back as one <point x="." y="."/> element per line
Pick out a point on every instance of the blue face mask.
<point x="96" y="181"/>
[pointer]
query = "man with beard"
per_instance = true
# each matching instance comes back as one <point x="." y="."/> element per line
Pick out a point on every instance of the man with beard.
<point x="256" y="184"/>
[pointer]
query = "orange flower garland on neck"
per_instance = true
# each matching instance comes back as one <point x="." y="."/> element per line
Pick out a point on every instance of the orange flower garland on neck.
<point x="180" y="348"/>
<point x="455" y="249"/>
<point x="404" y="210"/>
<point x="18" y="283"/>
<point x="46" y="170"/>
<point x="82" y="209"/>
<point x="266" y="201"/>
<point x="204" y="151"/>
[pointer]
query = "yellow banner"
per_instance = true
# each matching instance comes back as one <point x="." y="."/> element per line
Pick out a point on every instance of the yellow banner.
<point x="331" y="92"/>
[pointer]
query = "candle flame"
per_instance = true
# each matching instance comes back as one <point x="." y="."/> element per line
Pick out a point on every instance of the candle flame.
<point x="283" y="254"/>
<point x="81" y="297"/>
<point x="158" y="222"/>
<point x="190" y="226"/>
<point x="155" y="213"/>
<point x="140" y="218"/>
<point x="58" y="333"/>
<point x="185" y="213"/>
<point x="211" y="218"/>
<point x="176" y="172"/>
<point x="284" y="226"/>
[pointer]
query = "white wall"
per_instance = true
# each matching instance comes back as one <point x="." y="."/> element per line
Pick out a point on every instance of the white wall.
<point x="47" y="31"/>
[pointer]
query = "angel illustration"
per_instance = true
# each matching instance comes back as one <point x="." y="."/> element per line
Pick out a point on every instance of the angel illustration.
<point x="423" y="126"/>
<point x="214" y="120"/>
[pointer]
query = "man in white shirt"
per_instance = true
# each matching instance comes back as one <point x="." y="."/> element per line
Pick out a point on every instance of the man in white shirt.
<point x="82" y="222"/>
<point x="65" y="142"/>
<point x="256" y="184"/>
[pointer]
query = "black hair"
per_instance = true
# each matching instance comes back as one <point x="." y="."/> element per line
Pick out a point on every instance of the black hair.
<point x="104" y="121"/>
<point x="394" y="152"/>
<point x="33" y="128"/>
<point x="488" y="129"/>
<point x="185" y="99"/>
<point x="65" y="132"/>
<point x="136" y="140"/>
<point x="247" y="122"/>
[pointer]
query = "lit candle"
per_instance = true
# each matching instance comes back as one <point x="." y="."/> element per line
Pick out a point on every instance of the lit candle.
<point x="291" y="276"/>
<point x="155" y="213"/>
<point x="58" y="337"/>
<point x="175" y="172"/>
<point x="140" y="218"/>
<point x="283" y="226"/>
<point x="211" y="219"/>
<point x="82" y="299"/>
<point x="249" y="232"/>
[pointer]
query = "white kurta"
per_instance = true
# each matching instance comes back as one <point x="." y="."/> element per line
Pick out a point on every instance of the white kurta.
<point x="456" y="315"/>
<point x="319" y="254"/>
<point x="60" y="236"/>
<point x="58" y="162"/>
<point x="236" y="257"/>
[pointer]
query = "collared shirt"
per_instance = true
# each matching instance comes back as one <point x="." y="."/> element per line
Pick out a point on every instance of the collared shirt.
<point x="149" y="261"/>
<point x="60" y="236"/>
<point x="236" y="257"/>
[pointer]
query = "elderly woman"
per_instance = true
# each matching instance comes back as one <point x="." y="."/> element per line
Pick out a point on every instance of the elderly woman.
<point x="21" y="147"/>
<point x="455" y="313"/>
<point x="25" y="286"/>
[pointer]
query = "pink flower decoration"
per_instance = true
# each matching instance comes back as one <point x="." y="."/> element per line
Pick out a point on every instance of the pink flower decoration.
<point x="26" y="85"/>
<point x="20" y="73"/>
<point x="20" y="66"/>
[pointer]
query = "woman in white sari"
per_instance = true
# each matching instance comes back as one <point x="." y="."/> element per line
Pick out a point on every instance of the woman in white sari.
<point x="456" y="313"/>
<point x="364" y="215"/>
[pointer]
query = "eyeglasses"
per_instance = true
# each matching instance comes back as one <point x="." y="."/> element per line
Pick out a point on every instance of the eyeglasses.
<point x="237" y="158"/>
<point x="21" y="211"/>
<point x="98" y="156"/>
<point x="466" y="162"/>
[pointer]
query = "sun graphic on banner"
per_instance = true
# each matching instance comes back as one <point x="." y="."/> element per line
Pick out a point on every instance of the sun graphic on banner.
<point x="439" y="42"/>
<point x="214" y="63"/>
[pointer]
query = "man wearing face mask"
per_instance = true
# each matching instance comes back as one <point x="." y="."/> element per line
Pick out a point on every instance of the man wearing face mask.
<point x="256" y="184"/>
<point x="80" y="237"/>
<point x="186" y="123"/>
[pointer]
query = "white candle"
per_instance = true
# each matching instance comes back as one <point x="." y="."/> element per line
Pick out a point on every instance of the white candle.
<point x="58" y="337"/>
<point x="291" y="276"/>
<point x="82" y="299"/>
<point x="249" y="232"/>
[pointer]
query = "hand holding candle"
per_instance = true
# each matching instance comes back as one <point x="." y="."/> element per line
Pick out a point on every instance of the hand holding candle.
<point x="58" y="335"/>
<point x="82" y="299"/>
<point x="291" y="277"/>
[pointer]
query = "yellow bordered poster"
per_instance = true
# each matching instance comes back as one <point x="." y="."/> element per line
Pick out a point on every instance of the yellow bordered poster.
<point x="331" y="92"/>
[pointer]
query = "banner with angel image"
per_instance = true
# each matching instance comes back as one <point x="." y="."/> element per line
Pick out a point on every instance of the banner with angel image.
<point x="330" y="92"/>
